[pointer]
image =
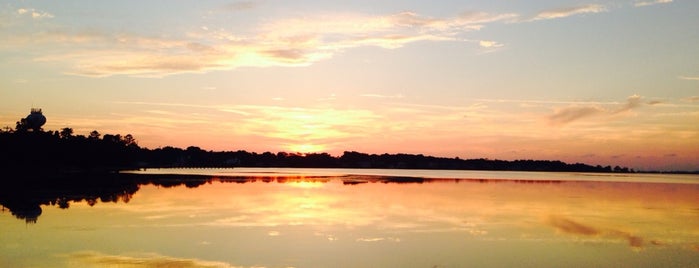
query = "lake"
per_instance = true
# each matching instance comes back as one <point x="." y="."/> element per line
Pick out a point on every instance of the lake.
<point x="282" y="217"/>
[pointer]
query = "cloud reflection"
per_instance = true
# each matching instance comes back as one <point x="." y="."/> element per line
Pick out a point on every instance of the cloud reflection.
<point x="569" y="226"/>
<point x="378" y="239"/>
<point x="362" y="208"/>
<point x="97" y="259"/>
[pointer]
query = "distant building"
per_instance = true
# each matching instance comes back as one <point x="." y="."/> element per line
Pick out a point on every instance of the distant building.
<point x="34" y="121"/>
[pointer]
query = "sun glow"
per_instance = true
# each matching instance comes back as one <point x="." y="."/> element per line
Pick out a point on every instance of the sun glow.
<point x="306" y="184"/>
<point x="306" y="148"/>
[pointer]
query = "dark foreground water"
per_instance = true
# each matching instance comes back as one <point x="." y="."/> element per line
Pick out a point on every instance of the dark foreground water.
<point x="351" y="218"/>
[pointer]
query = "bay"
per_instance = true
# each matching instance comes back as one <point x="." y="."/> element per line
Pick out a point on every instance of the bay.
<point x="279" y="217"/>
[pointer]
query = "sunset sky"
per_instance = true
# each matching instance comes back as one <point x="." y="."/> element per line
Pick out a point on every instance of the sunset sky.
<point x="598" y="82"/>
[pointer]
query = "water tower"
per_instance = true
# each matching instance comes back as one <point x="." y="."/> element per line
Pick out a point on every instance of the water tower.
<point x="35" y="119"/>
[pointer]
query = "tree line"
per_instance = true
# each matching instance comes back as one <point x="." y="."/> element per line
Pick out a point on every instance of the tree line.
<point x="28" y="151"/>
<point x="31" y="151"/>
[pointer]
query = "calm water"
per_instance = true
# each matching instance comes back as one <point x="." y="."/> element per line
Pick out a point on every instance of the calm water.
<point x="352" y="218"/>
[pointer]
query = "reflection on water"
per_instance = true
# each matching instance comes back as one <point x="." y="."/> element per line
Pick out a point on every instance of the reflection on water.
<point x="292" y="220"/>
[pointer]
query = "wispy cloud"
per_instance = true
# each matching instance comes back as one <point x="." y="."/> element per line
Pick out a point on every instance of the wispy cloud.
<point x="524" y="101"/>
<point x="568" y="11"/>
<point x="274" y="233"/>
<point x="489" y="44"/>
<point x="240" y="5"/>
<point x="695" y="78"/>
<point x="298" y="41"/>
<point x="311" y="125"/>
<point x="650" y="3"/>
<point x="279" y="124"/>
<point x="102" y="54"/>
<point x="34" y="14"/>
<point x="340" y="31"/>
<point x="576" y="112"/>
<point x="632" y="102"/>
<point x="380" y="96"/>
<point x="570" y="114"/>
<point x="323" y="127"/>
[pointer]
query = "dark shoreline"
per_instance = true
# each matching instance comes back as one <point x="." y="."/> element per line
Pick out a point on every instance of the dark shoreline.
<point x="51" y="152"/>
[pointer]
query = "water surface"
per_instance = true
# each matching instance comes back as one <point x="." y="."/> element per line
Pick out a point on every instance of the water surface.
<point x="352" y="218"/>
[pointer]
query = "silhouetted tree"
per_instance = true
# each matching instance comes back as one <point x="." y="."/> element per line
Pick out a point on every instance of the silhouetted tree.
<point x="115" y="139"/>
<point x="66" y="133"/>
<point x="94" y="135"/>
<point x="129" y="140"/>
<point x="22" y="125"/>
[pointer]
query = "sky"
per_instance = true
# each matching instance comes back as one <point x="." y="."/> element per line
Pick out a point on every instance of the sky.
<point x="597" y="82"/>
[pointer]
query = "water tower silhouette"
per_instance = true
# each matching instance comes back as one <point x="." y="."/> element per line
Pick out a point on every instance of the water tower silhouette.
<point x="35" y="119"/>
